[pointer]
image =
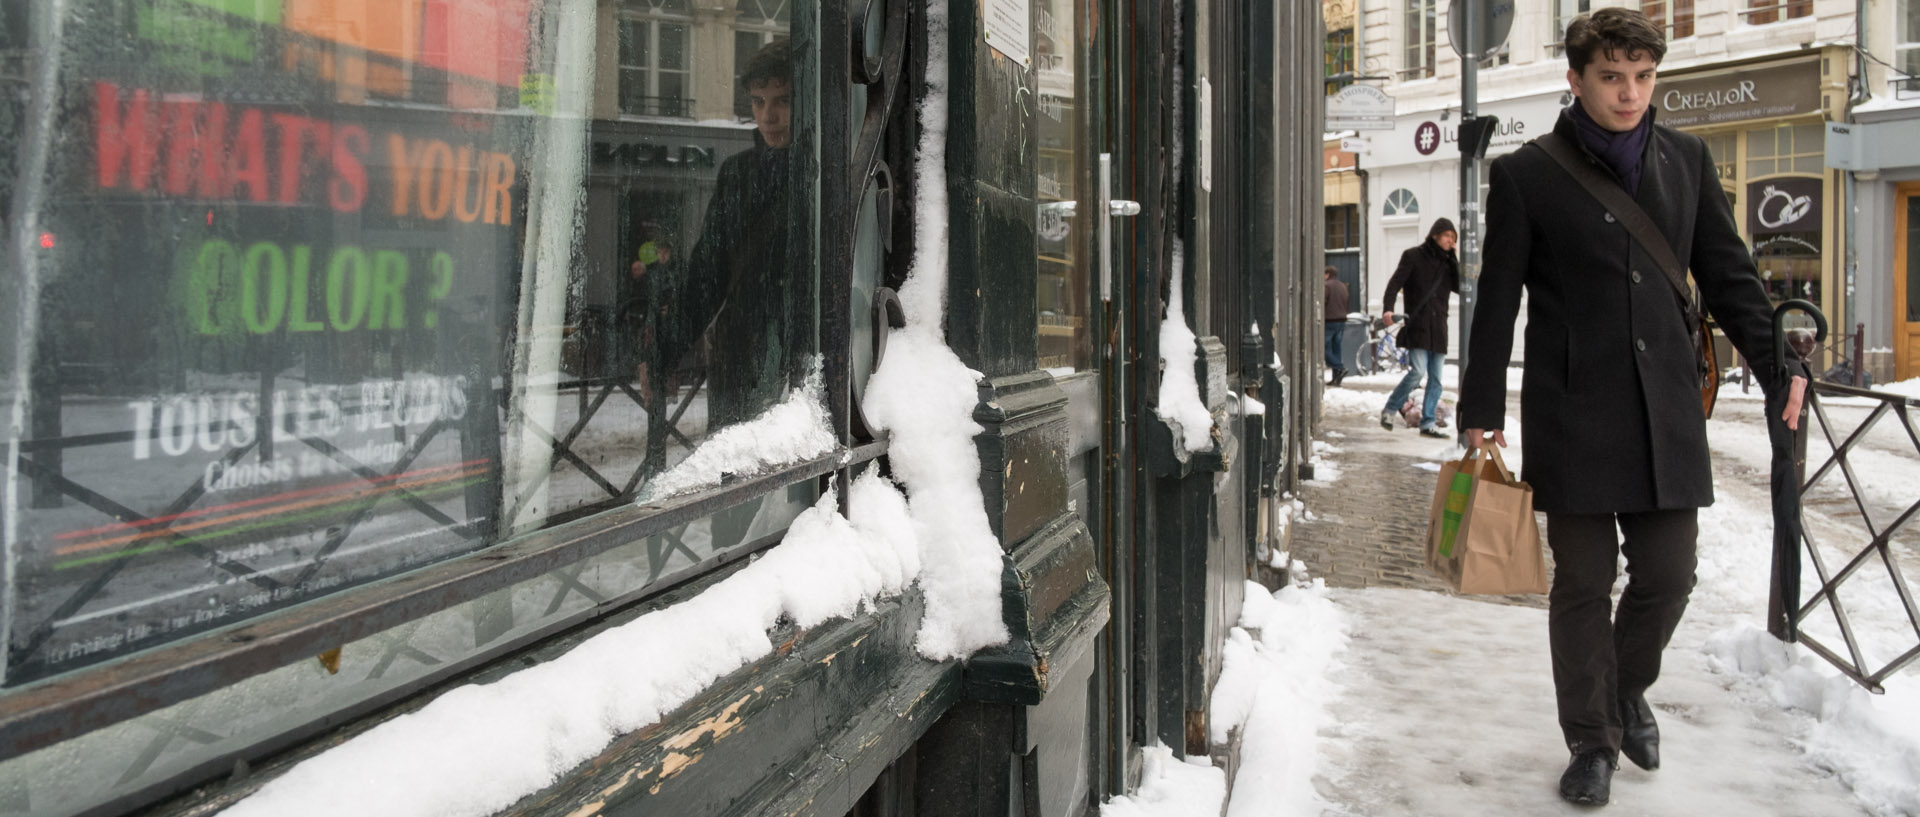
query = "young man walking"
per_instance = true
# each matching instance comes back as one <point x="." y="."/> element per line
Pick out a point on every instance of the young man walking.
<point x="1610" y="397"/>
<point x="1429" y="275"/>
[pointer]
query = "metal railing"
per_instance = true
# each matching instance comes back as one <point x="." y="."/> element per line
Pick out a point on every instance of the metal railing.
<point x="1842" y="580"/>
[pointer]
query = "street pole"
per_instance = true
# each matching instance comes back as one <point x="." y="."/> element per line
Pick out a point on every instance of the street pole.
<point x="1469" y="177"/>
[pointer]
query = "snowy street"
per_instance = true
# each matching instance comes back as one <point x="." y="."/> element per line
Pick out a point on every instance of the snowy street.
<point x="1395" y="699"/>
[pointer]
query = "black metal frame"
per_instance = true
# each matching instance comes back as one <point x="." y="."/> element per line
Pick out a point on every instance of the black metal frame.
<point x="1854" y="663"/>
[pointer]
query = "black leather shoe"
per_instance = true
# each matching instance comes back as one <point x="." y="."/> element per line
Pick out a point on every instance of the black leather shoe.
<point x="1639" y="735"/>
<point x="1433" y="432"/>
<point x="1386" y="420"/>
<point x="1589" y="778"/>
<point x="1339" y="375"/>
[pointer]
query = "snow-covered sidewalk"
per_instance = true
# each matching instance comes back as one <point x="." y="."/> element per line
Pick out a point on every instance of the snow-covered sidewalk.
<point x="1426" y="704"/>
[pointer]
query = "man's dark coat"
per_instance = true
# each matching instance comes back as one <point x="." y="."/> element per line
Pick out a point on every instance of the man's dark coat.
<point x="1428" y="275"/>
<point x="1610" y="399"/>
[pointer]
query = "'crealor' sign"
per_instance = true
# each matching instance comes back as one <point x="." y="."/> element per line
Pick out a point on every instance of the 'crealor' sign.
<point x="1739" y="95"/>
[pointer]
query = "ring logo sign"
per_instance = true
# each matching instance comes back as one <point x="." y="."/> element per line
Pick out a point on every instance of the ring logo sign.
<point x="1426" y="138"/>
<point x="1779" y="208"/>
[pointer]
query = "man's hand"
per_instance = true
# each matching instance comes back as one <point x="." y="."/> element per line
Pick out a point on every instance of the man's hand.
<point x="1475" y="436"/>
<point x="1796" y="397"/>
<point x="1386" y="318"/>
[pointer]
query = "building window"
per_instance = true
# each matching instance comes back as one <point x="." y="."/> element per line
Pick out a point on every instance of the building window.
<point x="1673" y="16"/>
<point x="1906" y="49"/>
<point x="1785" y="149"/>
<point x="1761" y="12"/>
<point x="760" y="22"/>
<point x="654" y="60"/>
<point x="1339" y="60"/>
<point x="1401" y="202"/>
<point x="1417" y="55"/>
<point x="1563" y="12"/>
<point x="1343" y="227"/>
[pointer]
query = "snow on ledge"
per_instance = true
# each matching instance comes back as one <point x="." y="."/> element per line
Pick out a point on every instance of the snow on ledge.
<point x="480" y="748"/>
<point x="1180" y="404"/>
<point x="795" y="430"/>
<point x="924" y="396"/>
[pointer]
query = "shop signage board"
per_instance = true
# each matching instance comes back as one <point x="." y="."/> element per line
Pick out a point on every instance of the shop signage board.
<point x="1009" y="28"/>
<point x="1783" y="214"/>
<point x="1425" y="137"/>
<point x="1360" y="107"/>
<point x="1737" y="95"/>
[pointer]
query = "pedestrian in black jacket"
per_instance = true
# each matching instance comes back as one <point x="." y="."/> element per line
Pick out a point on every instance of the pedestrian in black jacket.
<point x="1610" y="397"/>
<point x="1429" y="274"/>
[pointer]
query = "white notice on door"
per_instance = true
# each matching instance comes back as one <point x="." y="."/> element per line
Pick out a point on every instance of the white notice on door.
<point x="1008" y="28"/>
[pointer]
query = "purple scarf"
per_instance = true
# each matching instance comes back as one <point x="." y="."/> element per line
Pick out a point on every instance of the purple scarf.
<point x="1620" y="152"/>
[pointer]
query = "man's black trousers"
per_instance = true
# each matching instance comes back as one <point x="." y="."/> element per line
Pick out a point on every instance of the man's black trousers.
<point x="1601" y="654"/>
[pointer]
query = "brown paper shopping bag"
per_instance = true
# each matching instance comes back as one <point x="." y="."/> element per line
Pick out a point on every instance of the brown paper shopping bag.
<point x="1482" y="536"/>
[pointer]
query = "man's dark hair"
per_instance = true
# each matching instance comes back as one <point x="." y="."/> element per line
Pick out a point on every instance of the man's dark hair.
<point x="1617" y="33"/>
<point x="1332" y="271"/>
<point x="774" y="62"/>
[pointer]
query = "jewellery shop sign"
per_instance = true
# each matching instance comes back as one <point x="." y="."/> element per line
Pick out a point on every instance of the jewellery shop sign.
<point x="1736" y="96"/>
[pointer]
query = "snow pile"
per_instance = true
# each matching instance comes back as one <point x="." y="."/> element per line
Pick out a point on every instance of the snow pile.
<point x="1325" y="468"/>
<point x="1872" y="743"/>
<point x="446" y="760"/>
<point x="1171" y="788"/>
<point x="797" y="429"/>
<point x="1180" y="404"/>
<point x="925" y="397"/>
<point x="1275" y="690"/>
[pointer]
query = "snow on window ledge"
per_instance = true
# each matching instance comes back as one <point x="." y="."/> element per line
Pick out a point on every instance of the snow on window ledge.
<point x="796" y="430"/>
<point x="446" y="760"/>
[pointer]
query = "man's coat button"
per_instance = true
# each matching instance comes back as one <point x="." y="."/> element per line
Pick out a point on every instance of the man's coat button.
<point x="1640" y="344"/>
<point x="1609" y="218"/>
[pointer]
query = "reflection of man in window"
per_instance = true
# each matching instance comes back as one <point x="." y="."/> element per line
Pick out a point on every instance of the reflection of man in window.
<point x="738" y="288"/>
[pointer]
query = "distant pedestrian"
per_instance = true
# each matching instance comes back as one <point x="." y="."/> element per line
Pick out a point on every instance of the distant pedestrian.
<point x="1429" y="274"/>
<point x="1616" y="435"/>
<point x="1336" y="316"/>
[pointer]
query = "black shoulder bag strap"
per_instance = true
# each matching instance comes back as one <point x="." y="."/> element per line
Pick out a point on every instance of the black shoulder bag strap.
<point x="1614" y="197"/>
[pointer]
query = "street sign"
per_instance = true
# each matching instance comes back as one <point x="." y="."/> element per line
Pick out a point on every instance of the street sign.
<point x="1360" y="107"/>
<point x="1494" y="22"/>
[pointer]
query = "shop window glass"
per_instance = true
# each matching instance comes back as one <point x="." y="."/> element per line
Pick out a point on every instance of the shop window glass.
<point x="1724" y="148"/>
<point x="281" y="340"/>
<point x="1061" y="185"/>
<point x="280" y="337"/>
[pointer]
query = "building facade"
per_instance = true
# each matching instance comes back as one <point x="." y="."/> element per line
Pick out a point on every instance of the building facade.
<point x="1882" y="163"/>
<point x="367" y="356"/>
<point x="1757" y="79"/>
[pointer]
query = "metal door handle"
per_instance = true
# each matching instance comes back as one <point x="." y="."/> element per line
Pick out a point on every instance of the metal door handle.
<point x="1112" y="207"/>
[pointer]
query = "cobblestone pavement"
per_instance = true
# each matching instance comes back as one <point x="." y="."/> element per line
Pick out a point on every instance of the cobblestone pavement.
<point x="1366" y="520"/>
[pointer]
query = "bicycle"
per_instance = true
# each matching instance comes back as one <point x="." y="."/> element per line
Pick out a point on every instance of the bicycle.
<point x="1382" y="352"/>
